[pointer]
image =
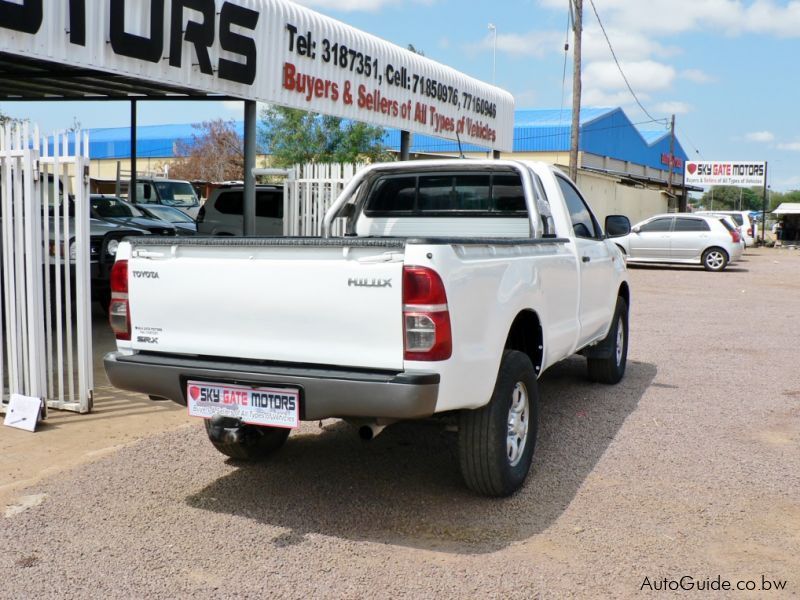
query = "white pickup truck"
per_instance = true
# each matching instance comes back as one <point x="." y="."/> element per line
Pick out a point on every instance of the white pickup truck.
<point x="454" y="285"/>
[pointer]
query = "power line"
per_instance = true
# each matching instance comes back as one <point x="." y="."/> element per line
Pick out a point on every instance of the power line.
<point x="691" y="143"/>
<point x="610" y="47"/>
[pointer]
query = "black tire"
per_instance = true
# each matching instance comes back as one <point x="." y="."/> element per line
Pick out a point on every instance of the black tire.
<point x="245" y="442"/>
<point x="611" y="369"/>
<point x="104" y="300"/>
<point x="484" y="432"/>
<point x="715" y="259"/>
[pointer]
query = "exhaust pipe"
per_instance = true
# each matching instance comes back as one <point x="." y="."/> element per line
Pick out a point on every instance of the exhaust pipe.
<point x="370" y="431"/>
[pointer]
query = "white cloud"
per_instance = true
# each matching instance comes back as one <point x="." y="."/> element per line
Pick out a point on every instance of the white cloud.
<point x="667" y="17"/>
<point x="673" y="107"/>
<point x="525" y="99"/>
<point x="355" y="5"/>
<point x="628" y="45"/>
<point x="760" y="136"/>
<point x="533" y="43"/>
<point x="644" y="75"/>
<point x="697" y="76"/>
<point x="599" y="98"/>
<point x="792" y="146"/>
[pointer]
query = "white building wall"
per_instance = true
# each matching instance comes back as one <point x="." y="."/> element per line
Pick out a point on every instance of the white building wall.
<point x="607" y="197"/>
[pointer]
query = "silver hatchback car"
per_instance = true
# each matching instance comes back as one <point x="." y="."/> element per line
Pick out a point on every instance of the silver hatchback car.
<point x="683" y="238"/>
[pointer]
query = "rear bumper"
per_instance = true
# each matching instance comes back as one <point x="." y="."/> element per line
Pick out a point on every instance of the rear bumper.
<point x="324" y="393"/>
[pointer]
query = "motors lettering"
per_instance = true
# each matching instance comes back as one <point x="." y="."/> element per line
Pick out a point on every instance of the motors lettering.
<point x="27" y="17"/>
<point x="273" y="401"/>
<point x="269" y="400"/>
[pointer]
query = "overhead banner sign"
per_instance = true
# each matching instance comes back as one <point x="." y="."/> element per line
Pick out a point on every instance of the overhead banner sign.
<point x="711" y="172"/>
<point x="267" y="50"/>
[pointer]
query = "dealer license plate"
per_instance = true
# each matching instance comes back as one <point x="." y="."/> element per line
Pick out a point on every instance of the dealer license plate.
<point x="269" y="406"/>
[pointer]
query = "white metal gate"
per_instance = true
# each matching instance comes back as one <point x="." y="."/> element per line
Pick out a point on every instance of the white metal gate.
<point x="44" y="241"/>
<point x="309" y="191"/>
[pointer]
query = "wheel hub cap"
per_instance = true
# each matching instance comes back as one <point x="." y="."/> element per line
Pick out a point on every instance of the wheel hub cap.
<point x="518" y="420"/>
<point x="714" y="260"/>
<point x="620" y="341"/>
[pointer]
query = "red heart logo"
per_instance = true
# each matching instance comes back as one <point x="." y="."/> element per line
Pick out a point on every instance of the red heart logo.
<point x="691" y="167"/>
<point x="194" y="392"/>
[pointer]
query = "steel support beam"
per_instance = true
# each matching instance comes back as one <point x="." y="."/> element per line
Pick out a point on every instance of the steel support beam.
<point x="405" y="145"/>
<point x="249" y="216"/>
<point x="132" y="182"/>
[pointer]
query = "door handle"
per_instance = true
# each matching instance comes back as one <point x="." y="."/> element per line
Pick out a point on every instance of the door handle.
<point x="586" y="258"/>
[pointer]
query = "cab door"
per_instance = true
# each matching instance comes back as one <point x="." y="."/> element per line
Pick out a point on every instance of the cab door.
<point x="596" y="265"/>
<point x="689" y="237"/>
<point x="652" y="240"/>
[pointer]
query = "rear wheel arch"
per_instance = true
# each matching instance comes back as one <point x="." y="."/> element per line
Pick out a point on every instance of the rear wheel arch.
<point x="625" y="293"/>
<point x="526" y="336"/>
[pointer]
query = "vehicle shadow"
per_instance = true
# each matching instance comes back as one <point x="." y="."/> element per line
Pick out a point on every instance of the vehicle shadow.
<point x="689" y="268"/>
<point x="405" y="488"/>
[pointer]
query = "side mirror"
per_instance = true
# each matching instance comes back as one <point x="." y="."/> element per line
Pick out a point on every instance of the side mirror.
<point x="618" y="226"/>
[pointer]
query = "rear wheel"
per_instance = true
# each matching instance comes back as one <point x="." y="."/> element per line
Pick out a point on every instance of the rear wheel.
<point x="244" y="442"/>
<point x="496" y="441"/>
<point x="611" y="367"/>
<point x="715" y="259"/>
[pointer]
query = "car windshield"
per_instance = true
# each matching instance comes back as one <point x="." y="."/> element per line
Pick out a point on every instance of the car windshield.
<point x="110" y="208"/>
<point x="171" y="215"/>
<point x="176" y="193"/>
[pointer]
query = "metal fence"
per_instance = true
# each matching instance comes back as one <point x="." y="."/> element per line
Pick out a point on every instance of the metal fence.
<point x="309" y="191"/>
<point x="45" y="284"/>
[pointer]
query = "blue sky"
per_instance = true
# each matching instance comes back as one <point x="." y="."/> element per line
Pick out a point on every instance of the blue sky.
<point x="727" y="68"/>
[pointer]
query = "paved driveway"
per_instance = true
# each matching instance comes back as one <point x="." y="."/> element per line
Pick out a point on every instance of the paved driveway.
<point x="689" y="468"/>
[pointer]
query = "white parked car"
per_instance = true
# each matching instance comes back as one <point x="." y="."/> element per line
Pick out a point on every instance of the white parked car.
<point x="222" y="212"/>
<point x="742" y="219"/>
<point x="686" y="238"/>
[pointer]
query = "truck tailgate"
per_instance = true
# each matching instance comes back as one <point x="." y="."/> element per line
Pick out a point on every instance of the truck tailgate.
<point x="312" y="304"/>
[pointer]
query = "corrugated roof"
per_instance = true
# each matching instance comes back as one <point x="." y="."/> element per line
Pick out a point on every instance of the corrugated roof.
<point x="604" y="131"/>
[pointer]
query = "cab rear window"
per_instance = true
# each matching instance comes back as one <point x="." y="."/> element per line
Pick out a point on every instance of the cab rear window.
<point x="434" y="195"/>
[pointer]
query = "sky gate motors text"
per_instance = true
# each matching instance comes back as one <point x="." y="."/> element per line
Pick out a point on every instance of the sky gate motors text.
<point x="234" y="22"/>
<point x="731" y="169"/>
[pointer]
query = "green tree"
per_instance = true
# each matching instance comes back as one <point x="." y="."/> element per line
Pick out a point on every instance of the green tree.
<point x="729" y="197"/>
<point x="294" y="136"/>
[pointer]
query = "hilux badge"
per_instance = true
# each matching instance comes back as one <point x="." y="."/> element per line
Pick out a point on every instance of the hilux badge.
<point x="363" y="282"/>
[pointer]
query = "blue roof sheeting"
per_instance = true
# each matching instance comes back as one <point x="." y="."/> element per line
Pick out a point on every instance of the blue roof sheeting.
<point x="604" y="131"/>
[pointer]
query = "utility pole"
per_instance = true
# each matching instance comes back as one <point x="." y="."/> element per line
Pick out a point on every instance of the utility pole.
<point x="577" y="30"/>
<point x="671" y="156"/>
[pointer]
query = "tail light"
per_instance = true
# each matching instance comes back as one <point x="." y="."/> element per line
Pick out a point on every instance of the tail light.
<point x="426" y="319"/>
<point x="750" y="231"/>
<point x="119" y="315"/>
<point x="735" y="235"/>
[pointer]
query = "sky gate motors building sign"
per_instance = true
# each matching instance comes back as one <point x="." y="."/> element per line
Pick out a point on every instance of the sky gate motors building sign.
<point x="725" y="173"/>
<point x="267" y="50"/>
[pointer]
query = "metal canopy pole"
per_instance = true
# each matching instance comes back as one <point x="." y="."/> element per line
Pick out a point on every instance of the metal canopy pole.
<point x="764" y="210"/>
<point x="405" y="145"/>
<point x="132" y="182"/>
<point x="249" y="214"/>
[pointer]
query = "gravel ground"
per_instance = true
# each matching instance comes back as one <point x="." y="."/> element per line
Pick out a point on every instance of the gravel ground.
<point x="689" y="467"/>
